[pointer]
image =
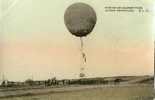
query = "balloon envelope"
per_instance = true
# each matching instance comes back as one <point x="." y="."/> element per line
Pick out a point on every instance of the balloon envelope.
<point x="80" y="19"/>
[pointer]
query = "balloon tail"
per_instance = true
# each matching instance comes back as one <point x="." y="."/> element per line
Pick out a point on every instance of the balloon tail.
<point x="84" y="59"/>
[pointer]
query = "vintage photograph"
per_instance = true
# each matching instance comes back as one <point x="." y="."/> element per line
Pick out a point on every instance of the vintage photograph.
<point x="77" y="49"/>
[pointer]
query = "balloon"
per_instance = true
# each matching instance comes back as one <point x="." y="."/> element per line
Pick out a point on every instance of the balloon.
<point x="80" y="19"/>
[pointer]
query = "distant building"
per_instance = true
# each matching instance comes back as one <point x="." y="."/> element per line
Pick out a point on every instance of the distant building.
<point x="4" y="83"/>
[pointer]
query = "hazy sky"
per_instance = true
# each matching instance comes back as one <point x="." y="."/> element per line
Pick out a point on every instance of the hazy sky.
<point x="35" y="42"/>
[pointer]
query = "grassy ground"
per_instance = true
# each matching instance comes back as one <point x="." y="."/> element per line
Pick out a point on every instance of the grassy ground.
<point x="134" y="92"/>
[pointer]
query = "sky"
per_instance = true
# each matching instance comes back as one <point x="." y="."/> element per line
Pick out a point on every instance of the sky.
<point x="35" y="42"/>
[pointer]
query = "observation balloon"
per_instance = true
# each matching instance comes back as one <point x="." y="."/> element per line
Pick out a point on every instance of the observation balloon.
<point x="80" y="19"/>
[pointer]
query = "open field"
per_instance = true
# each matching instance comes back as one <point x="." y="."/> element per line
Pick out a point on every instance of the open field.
<point x="131" y="88"/>
<point x="94" y="93"/>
